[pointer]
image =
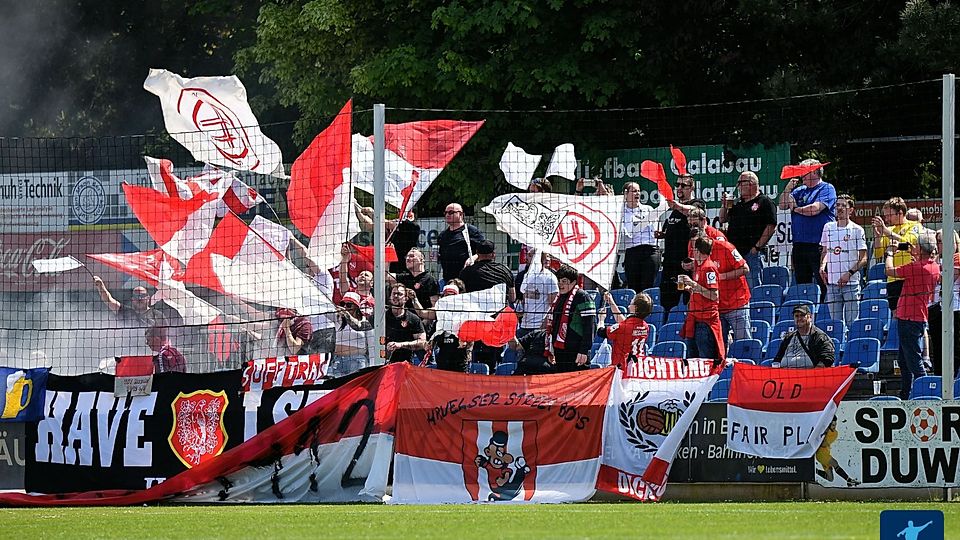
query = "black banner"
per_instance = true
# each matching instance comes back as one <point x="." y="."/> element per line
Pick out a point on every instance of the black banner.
<point x="704" y="456"/>
<point x="13" y="455"/>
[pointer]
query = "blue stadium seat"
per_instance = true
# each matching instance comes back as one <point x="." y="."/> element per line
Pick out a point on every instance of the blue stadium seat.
<point x="654" y="293"/>
<point x="778" y="275"/>
<point x="763" y="311"/>
<point x="926" y="386"/>
<point x="956" y="388"/>
<point x="651" y="335"/>
<point x="875" y="290"/>
<point x="884" y="398"/>
<point x="771" y="351"/>
<point x="781" y="328"/>
<point x="750" y="349"/>
<point x="837" y="348"/>
<point x="785" y="313"/>
<point x="865" y="328"/>
<point x="623" y="297"/>
<point x="875" y="309"/>
<point x="767" y="293"/>
<point x="862" y="351"/>
<point x="509" y="356"/>
<point x="678" y="314"/>
<point x="760" y="330"/>
<point x="823" y="313"/>
<point x="478" y="368"/>
<point x="803" y="291"/>
<point x="669" y="332"/>
<point x="892" y="343"/>
<point x="727" y="373"/>
<point x="670" y="349"/>
<point x="595" y="366"/>
<point x="720" y="391"/>
<point x="747" y="361"/>
<point x="656" y="316"/>
<point x="877" y="273"/>
<point x="597" y="297"/>
<point x="833" y="328"/>
<point x="506" y="368"/>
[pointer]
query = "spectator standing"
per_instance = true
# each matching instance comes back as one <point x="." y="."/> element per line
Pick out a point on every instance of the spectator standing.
<point x="919" y="280"/>
<point x="702" y="327"/>
<point x="539" y="289"/>
<point x="294" y="334"/>
<point x="404" y="330"/>
<point x="355" y="340"/>
<point x="405" y="235"/>
<point x="751" y="222"/>
<point x="935" y="314"/>
<point x="676" y="236"/>
<point x="571" y="325"/>
<point x="628" y="336"/>
<point x="890" y="229"/>
<point x="425" y="288"/>
<point x="454" y="249"/>
<point x="486" y="272"/>
<point x="806" y="346"/>
<point x="812" y="206"/>
<point x="452" y="354"/>
<point x="844" y="254"/>
<point x="641" y="255"/>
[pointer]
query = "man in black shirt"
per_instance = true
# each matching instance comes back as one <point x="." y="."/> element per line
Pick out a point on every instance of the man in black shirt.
<point x="405" y="235"/>
<point x="486" y="272"/>
<point x="676" y="238"/>
<point x="752" y="221"/>
<point x="454" y="249"/>
<point x="404" y="330"/>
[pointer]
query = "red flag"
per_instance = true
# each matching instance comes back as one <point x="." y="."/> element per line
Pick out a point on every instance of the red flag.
<point x="653" y="171"/>
<point x="366" y="253"/>
<point x="494" y="333"/>
<point x="180" y="227"/>
<point x="320" y="204"/>
<point x="679" y="159"/>
<point x="144" y="265"/>
<point x="227" y="240"/>
<point x="796" y="171"/>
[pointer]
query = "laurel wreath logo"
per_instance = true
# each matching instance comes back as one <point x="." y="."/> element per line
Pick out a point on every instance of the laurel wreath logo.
<point x="628" y="419"/>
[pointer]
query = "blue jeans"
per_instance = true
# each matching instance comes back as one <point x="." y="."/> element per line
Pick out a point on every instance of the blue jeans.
<point x="739" y="321"/>
<point x="345" y="365"/>
<point x="703" y="344"/>
<point x="756" y="265"/>
<point x="843" y="302"/>
<point x="911" y="366"/>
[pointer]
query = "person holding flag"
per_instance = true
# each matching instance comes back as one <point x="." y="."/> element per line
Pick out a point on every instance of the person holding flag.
<point x="641" y="255"/>
<point x="812" y="203"/>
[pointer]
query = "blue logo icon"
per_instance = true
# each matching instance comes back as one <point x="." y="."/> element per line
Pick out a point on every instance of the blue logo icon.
<point x="911" y="525"/>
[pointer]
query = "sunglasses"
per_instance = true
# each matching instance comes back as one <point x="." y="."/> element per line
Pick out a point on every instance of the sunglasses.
<point x="448" y="212"/>
<point x="682" y="185"/>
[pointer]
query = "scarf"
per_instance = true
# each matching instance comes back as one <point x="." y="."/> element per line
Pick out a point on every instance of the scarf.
<point x="560" y="341"/>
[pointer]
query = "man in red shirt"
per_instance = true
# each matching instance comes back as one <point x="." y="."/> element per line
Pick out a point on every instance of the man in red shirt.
<point x="628" y="336"/>
<point x="702" y="327"/>
<point x="734" y="289"/>
<point x="919" y="277"/>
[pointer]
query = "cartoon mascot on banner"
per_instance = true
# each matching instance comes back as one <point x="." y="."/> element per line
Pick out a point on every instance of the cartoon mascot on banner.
<point x="505" y="482"/>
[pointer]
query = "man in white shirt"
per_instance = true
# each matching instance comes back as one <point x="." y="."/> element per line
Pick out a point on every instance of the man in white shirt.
<point x="641" y="256"/>
<point x="540" y="290"/>
<point x="844" y="253"/>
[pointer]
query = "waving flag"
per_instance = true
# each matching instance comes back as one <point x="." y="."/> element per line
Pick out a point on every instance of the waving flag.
<point x="679" y="159"/>
<point x="796" y="171"/>
<point x="518" y="166"/>
<point x="457" y="444"/>
<point x="653" y="171"/>
<point x="783" y="412"/>
<point x="236" y="196"/>
<point x="655" y="403"/>
<point x="563" y="162"/>
<point x="193" y="310"/>
<point x="211" y="118"/>
<point x="144" y="265"/>
<point x="496" y="331"/>
<point x="416" y="153"/>
<point x="320" y="196"/>
<point x="180" y="227"/>
<point x="455" y="310"/>
<point x="583" y="232"/>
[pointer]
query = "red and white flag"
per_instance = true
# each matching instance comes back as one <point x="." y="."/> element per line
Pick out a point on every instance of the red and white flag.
<point x="654" y="404"/>
<point x="320" y="195"/>
<point x="583" y="232"/>
<point x="416" y="153"/>
<point x="210" y="116"/>
<point x="476" y="314"/>
<point x="235" y="195"/>
<point x="463" y="438"/>
<point x="181" y="227"/>
<point x="193" y="310"/>
<point x="143" y="265"/>
<point x="783" y="412"/>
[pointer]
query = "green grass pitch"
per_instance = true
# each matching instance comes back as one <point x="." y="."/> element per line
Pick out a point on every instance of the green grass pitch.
<point x="742" y="521"/>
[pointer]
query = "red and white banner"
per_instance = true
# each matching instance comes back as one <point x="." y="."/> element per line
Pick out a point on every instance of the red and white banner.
<point x="783" y="412"/>
<point x="211" y="118"/>
<point x="655" y="403"/>
<point x="233" y="194"/>
<point x="479" y="315"/>
<point x="181" y="227"/>
<point x="463" y="439"/>
<point x="266" y="373"/>
<point x="415" y="155"/>
<point x="583" y="232"/>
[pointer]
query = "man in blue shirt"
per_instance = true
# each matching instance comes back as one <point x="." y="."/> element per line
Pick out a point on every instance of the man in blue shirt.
<point x="812" y="205"/>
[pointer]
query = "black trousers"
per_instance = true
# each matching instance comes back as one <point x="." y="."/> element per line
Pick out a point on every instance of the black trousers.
<point x="640" y="264"/>
<point x="934" y="321"/>
<point x="806" y="265"/>
<point x="669" y="295"/>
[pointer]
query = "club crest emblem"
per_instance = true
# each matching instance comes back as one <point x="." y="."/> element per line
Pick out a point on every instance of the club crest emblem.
<point x="198" y="433"/>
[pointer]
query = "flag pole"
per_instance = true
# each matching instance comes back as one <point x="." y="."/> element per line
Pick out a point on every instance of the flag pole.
<point x="379" y="216"/>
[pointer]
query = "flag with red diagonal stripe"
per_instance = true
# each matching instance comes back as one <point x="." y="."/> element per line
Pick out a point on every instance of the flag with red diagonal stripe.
<point x="783" y="412"/>
<point x="463" y="439"/>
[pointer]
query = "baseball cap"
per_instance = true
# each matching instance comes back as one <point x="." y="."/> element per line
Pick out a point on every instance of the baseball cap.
<point x="483" y="247"/>
<point x="802" y="308"/>
<point x="450" y="289"/>
<point x="351" y="298"/>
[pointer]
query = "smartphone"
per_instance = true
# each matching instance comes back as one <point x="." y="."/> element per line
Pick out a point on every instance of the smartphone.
<point x="903" y="246"/>
<point x="590" y="182"/>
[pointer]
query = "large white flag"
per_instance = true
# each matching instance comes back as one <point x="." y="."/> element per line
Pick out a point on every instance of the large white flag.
<point x="583" y="232"/>
<point x="783" y="412"/>
<point x="234" y="194"/>
<point x="563" y="163"/>
<point x="210" y="116"/>
<point x="518" y="166"/>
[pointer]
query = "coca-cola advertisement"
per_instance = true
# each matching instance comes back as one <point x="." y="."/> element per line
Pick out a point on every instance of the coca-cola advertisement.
<point x="18" y="251"/>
